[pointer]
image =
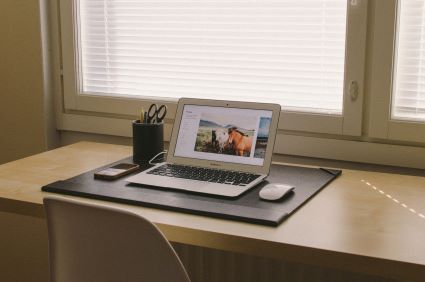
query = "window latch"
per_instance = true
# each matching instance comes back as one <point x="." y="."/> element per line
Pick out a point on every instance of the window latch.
<point x="354" y="90"/>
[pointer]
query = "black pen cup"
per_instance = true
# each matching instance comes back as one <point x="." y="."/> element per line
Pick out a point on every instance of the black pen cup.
<point x="148" y="141"/>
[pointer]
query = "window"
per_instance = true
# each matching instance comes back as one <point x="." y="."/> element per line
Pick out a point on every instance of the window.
<point x="307" y="55"/>
<point x="289" y="52"/>
<point x="397" y="80"/>
<point x="376" y="108"/>
<point x="409" y="87"/>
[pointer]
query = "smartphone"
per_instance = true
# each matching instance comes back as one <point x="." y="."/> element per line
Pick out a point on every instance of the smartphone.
<point x="115" y="171"/>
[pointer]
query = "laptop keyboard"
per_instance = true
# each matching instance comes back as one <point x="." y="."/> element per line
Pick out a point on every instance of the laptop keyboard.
<point x="205" y="174"/>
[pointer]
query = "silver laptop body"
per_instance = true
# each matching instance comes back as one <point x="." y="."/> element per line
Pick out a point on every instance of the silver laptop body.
<point x="216" y="137"/>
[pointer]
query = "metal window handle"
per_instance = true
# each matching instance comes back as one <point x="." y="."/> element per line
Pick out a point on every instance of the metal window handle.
<point x="354" y="90"/>
<point x="354" y="2"/>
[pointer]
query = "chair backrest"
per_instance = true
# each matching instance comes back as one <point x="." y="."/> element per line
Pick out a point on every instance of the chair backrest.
<point x="89" y="242"/>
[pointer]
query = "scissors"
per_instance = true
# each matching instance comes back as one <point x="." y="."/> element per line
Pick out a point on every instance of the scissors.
<point x="155" y="114"/>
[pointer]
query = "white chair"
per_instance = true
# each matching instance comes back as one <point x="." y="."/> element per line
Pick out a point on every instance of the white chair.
<point x="89" y="242"/>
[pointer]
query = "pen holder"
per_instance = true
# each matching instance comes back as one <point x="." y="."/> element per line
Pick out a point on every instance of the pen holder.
<point x="148" y="141"/>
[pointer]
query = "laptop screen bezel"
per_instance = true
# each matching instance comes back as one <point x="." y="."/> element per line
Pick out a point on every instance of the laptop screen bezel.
<point x="264" y="169"/>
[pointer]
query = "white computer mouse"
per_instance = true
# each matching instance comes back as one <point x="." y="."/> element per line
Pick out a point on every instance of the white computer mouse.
<point x="275" y="191"/>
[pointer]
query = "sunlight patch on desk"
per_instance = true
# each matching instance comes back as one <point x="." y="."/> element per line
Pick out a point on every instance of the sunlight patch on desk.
<point x="393" y="199"/>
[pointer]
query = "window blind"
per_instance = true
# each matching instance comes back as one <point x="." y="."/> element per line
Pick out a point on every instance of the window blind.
<point x="409" y="80"/>
<point x="290" y="52"/>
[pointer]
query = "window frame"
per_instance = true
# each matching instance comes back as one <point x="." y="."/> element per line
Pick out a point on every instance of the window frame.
<point x="371" y="147"/>
<point x="349" y="123"/>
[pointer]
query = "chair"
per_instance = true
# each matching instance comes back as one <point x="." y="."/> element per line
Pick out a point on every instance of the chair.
<point x="90" y="242"/>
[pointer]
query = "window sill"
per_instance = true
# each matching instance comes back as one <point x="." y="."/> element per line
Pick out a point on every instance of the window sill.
<point x="286" y="143"/>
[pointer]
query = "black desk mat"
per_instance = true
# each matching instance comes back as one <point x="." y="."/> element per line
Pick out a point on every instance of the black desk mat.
<point x="248" y="207"/>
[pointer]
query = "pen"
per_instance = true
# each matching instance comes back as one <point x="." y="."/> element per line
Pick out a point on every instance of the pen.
<point x="145" y="117"/>
<point x="142" y="115"/>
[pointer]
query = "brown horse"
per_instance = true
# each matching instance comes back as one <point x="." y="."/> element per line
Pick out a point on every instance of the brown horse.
<point x="241" y="143"/>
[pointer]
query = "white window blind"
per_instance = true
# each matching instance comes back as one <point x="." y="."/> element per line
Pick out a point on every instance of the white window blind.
<point x="409" y="88"/>
<point x="290" y="52"/>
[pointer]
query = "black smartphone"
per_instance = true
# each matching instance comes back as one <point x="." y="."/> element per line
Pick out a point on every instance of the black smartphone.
<point x="115" y="171"/>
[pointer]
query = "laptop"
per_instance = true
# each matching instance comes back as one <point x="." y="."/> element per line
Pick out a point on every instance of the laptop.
<point x="217" y="147"/>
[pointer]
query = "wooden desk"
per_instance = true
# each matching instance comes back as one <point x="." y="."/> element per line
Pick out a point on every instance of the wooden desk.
<point x="366" y="222"/>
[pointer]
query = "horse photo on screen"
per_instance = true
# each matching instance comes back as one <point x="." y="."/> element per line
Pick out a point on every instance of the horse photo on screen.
<point x="233" y="135"/>
<point x="240" y="142"/>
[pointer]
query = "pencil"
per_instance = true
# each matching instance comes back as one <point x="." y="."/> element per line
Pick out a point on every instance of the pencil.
<point x="142" y="116"/>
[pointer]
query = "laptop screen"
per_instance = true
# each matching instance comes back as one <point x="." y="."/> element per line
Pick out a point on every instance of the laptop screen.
<point x="223" y="134"/>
